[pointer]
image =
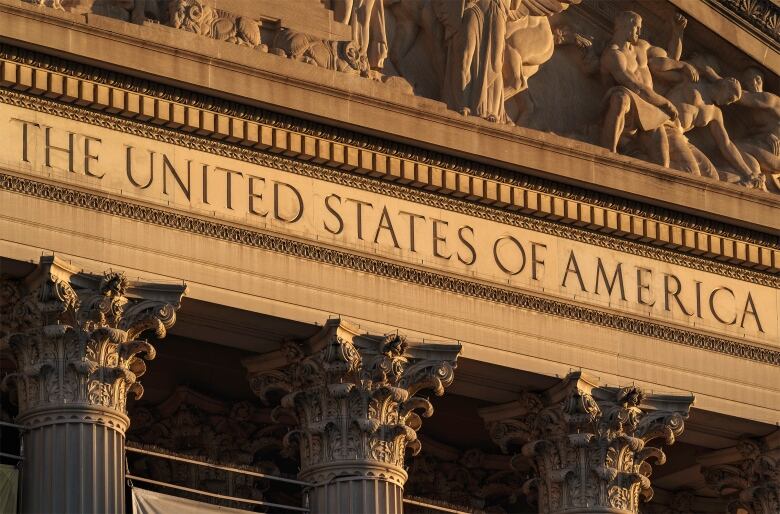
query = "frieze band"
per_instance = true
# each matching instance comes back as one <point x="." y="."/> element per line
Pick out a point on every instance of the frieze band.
<point x="382" y="268"/>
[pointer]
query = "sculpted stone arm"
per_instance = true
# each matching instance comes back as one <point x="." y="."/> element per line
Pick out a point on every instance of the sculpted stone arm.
<point x="712" y="116"/>
<point x="760" y="100"/>
<point x="675" y="45"/>
<point x="660" y="63"/>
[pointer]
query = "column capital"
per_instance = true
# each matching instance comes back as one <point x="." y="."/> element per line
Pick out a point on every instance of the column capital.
<point x="590" y="445"/>
<point x="75" y="337"/>
<point x="353" y="398"/>
<point x="747" y="475"/>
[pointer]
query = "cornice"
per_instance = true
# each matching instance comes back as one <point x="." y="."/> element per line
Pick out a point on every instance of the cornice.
<point x="762" y="15"/>
<point x="259" y="129"/>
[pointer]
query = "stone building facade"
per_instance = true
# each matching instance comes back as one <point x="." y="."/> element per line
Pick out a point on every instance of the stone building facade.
<point x="485" y="256"/>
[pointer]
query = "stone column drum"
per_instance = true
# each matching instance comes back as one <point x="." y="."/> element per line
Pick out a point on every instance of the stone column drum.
<point x="352" y="401"/>
<point x="590" y="446"/>
<point x="75" y="339"/>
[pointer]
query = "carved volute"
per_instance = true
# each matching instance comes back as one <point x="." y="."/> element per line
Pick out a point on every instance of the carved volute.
<point x="353" y="398"/>
<point x="591" y="447"/>
<point x="76" y="339"/>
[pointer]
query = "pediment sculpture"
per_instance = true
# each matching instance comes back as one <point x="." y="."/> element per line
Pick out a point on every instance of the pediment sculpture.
<point x="636" y="78"/>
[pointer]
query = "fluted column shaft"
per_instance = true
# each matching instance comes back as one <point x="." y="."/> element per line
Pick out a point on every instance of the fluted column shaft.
<point x="74" y="338"/>
<point x="351" y="400"/>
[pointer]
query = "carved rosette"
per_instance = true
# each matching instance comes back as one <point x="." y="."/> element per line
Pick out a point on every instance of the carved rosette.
<point x="589" y="446"/>
<point x="751" y="483"/>
<point x="353" y="399"/>
<point x="76" y="340"/>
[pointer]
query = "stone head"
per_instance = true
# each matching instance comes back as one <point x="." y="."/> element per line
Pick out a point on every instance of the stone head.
<point x="628" y="26"/>
<point x="753" y="80"/>
<point x="727" y="91"/>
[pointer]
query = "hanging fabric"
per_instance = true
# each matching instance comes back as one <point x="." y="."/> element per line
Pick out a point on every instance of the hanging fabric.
<point x="9" y="486"/>
<point x="150" y="502"/>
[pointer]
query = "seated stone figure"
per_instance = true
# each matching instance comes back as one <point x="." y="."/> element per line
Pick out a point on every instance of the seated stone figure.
<point x="633" y="107"/>
<point x="698" y="105"/>
<point x="763" y="110"/>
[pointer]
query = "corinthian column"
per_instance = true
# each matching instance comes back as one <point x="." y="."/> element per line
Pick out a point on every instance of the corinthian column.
<point x="75" y="339"/>
<point x="747" y="475"/>
<point x="588" y="445"/>
<point x="353" y="402"/>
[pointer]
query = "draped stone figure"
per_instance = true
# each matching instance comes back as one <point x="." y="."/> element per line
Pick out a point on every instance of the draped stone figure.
<point x="493" y="47"/>
<point x="367" y="19"/>
<point x="475" y="32"/>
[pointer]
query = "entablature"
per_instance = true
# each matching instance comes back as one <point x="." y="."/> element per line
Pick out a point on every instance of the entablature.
<point x="495" y="158"/>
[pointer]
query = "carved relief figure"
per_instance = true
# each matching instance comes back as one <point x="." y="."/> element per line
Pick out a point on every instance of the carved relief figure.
<point x="475" y="32"/>
<point x="763" y="109"/>
<point x="698" y="105"/>
<point x="492" y="48"/>
<point x="633" y="107"/>
<point x="195" y="16"/>
<point x="367" y="19"/>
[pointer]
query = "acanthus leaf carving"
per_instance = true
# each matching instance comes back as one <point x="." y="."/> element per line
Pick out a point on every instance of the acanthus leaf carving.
<point x="749" y="479"/>
<point x="76" y="344"/>
<point x="351" y="397"/>
<point x="588" y="445"/>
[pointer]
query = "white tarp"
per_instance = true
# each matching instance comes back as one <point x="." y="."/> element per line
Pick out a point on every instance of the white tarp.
<point x="9" y="485"/>
<point x="150" y="502"/>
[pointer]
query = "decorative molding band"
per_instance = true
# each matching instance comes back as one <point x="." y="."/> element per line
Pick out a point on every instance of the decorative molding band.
<point x="338" y="148"/>
<point x="398" y="190"/>
<point x="763" y="15"/>
<point x="382" y="268"/>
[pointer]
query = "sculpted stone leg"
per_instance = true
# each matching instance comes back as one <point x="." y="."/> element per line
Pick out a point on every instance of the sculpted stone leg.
<point x="615" y="120"/>
<point x="352" y="401"/>
<point x="588" y="445"/>
<point x="747" y="475"/>
<point x="75" y="340"/>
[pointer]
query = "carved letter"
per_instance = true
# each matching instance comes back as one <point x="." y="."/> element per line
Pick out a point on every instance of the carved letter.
<point x="333" y="211"/>
<point x="298" y="198"/>
<point x="573" y="267"/>
<point x="359" y="211"/>
<point x="698" y="299"/>
<point x="535" y="260"/>
<point x="498" y="259"/>
<point x="88" y="157"/>
<point x="386" y="224"/>
<point x="438" y="238"/>
<point x="641" y="286"/>
<point x="25" y="134"/>
<point x="205" y="184"/>
<point x="168" y="166"/>
<point x="49" y="147"/>
<point x="668" y="293"/>
<point x="750" y="308"/>
<point x="712" y="305"/>
<point x="468" y="245"/>
<point x="253" y="196"/>
<point x="229" y="185"/>
<point x="601" y="274"/>
<point x="129" y="168"/>
<point x="412" y="218"/>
